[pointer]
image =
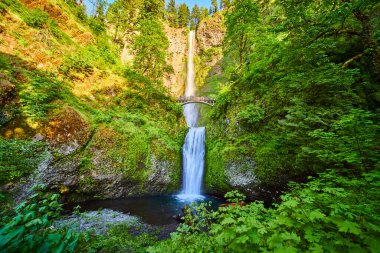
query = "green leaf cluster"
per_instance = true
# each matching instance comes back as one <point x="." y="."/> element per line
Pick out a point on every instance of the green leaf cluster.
<point x="18" y="158"/>
<point x="330" y="214"/>
<point x="303" y="88"/>
<point x="30" y="228"/>
<point x="37" y="95"/>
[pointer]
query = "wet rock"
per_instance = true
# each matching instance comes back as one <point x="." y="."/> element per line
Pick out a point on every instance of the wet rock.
<point x="67" y="131"/>
<point x="240" y="174"/>
<point x="159" y="177"/>
<point x="97" y="221"/>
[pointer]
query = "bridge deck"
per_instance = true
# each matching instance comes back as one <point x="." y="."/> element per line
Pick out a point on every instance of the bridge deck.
<point x="193" y="99"/>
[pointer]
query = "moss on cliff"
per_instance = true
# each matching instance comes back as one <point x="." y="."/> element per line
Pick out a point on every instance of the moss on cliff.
<point x="110" y="131"/>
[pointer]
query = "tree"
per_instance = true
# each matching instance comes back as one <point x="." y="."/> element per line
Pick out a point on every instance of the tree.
<point x="183" y="15"/>
<point x="195" y="15"/>
<point x="153" y="8"/>
<point x="203" y="13"/>
<point x="240" y="23"/>
<point x="172" y="13"/>
<point x="171" y="7"/>
<point x="224" y="4"/>
<point x="100" y="6"/>
<point x="150" y="47"/>
<point x="123" y="16"/>
<point x="214" y="4"/>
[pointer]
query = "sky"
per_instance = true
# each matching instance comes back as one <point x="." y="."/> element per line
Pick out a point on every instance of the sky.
<point x="190" y="3"/>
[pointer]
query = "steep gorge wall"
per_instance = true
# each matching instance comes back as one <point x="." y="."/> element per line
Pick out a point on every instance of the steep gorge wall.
<point x="225" y="169"/>
<point x="208" y="62"/>
<point x="177" y="56"/>
<point x="105" y="134"/>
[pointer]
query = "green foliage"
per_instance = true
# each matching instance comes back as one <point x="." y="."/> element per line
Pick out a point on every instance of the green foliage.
<point x="332" y="213"/>
<point x="19" y="158"/>
<point x="83" y="61"/>
<point x="14" y="5"/>
<point x="123" y="15"/>
<point x="153" y="9"/>
<point x="119" y="239"/>
<point x="350" y="142"/>
<point x="97" y="26"/>
<point x="36" y="18"/>
<point x="57" y="33"/>
<point x="37" y="95"/>
<point x="183" y="15"/>
<point x="78" y="10"/>
<point x="301" y="96"/>
<point x="234" y="197"/>
<point x="30" y="229"/>
<point x="150" y="46"/>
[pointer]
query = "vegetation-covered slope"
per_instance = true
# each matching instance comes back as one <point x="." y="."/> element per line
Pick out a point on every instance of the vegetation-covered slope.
<point x="303" y="93"/>
<point x="300" y="104"/>
<point x="94" y="122"/>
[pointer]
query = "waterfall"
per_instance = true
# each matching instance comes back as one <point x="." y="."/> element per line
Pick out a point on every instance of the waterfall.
<point x="194" y="147"/>
<point x="191" y="110"/>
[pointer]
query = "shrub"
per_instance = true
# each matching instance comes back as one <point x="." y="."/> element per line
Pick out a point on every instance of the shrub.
<point x="30" y="229"/>
<point x="37" y="95"/>
<point x="97" y="26"/>
<point x="78" y="62"/>
<point x="53" y="28"/>
<point x="19" y="158"/>
<point x="119" y="239"/>
<point x="36" y="18"/>
<point x="333" y="213"/>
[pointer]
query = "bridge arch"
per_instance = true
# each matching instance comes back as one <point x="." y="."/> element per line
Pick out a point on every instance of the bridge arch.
<point x="196" y="100"/>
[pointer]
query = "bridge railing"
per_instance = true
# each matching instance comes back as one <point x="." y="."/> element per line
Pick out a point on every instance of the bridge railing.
<point x="194" y="99"/>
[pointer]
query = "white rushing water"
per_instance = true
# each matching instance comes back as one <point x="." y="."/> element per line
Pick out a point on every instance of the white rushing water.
<point x="191" y="110"/>
<point x="194" y="147"/>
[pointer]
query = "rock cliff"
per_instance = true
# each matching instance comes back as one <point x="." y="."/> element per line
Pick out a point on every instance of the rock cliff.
<point x="177" y="55"/>
<point x="208" y="63"/>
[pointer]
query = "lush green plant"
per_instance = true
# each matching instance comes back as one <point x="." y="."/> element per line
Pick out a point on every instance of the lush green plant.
<point x="53" y="28"/>
<point x="332" y="213"/>
<point x="234" y="196"/>
<point x="19" y="158"/>
<point x="150" y="46"/>
<point x="302" y="89"/>
<point x="14" y="5"/>
<point x="79" y="62"/>
<point x="30" y="229"/>
<point x="97" y="26"/>
<point x="120" y="239"/>
<point x="37" y="96"/>
<point x="36" y="18"/>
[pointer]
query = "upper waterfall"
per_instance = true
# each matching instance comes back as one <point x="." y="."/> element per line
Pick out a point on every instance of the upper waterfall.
<point x="191" y="110"/>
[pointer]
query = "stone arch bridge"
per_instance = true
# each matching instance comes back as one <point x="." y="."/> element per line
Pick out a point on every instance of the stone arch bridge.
<point x="199" y="100"/>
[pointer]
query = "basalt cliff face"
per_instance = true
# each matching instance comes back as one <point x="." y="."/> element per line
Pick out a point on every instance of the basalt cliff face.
<point x="208" y="62"/>
<point x="177" y="56"/>
<point x="225" y="171"/>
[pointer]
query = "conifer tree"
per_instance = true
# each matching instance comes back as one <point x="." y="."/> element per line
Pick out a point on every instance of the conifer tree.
<point x="183" y="15"/>
<point x="203" y="13"/>
<point x="214" y="4"/>
<point x="195" y="15"/>
<point x="172" y="13"/>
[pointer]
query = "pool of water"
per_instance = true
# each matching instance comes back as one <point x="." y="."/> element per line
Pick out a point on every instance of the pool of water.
<point x="154" y="210"/>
